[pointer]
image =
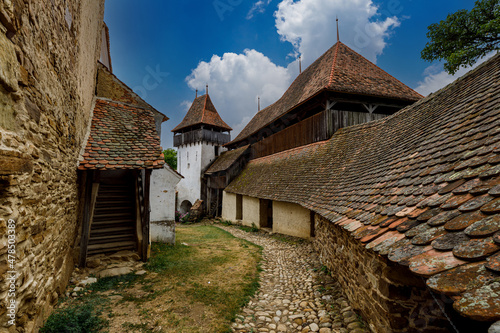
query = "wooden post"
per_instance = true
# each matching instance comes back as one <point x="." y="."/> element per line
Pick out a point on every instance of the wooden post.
<point x="146" y="220"/>
<point x="84" y="240"/>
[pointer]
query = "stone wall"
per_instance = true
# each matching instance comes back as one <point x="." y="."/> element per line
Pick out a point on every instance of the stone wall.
<point x="291" y="219"/>
<point x="387" y="295"/>
<point x="48" y="61"/>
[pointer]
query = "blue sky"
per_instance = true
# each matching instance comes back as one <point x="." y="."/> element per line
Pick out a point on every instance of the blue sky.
<point x="242" y="49"/>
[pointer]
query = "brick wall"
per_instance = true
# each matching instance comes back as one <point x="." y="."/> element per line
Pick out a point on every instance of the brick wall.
<point x="48" y="62"/>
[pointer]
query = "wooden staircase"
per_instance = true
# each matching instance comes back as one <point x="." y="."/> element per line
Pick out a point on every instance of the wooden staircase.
<point x="113" y="225"/>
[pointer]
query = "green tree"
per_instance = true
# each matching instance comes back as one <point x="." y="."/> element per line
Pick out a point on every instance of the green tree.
<point x="465" y="36"/>
<point x="170" y="156"/>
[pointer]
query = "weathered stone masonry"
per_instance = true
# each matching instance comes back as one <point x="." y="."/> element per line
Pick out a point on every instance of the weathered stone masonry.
<point x="48" y="60"/>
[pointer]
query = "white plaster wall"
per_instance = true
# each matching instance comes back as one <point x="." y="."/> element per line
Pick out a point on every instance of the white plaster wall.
<point x="192" y="161"/>
<point x="189" y="165"/>
<point x="228" y="206"/>
<point x="251" y="211"/>
<point x="291" y="219"/>
<point x="162" y="194"/>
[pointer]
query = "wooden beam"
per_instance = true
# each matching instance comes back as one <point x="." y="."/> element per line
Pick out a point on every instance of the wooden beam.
<point x="84" y="240"/>
<point x="146" y="220"/>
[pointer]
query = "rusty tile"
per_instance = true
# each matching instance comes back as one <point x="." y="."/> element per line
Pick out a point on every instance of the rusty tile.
<point x="451" y="186"/>
<point x="466" y="187"/>
<point x="442" y="218"/>
<point x="463" y="221"/>
<point x="438" y="200"/>
<point x="354" y="225"/>
<point x="433" y="262"/>
<point x="456" y="201"/>
<point x="416" y="212"/>
<point x="428" y="214"/>
<point x="363" y="231"/>
<point x="479" y="190"/>
<point x="496" y="237"/>
<point x="417" y="230"/>
<point x="461" y="278"/>
<point x="388" y="221"/>
<point x="374" y="234"/>
<point x="475" y="203"/>
<point x="448" y="241"/>
<point x="397" y="223"/>
<point x="404" y="212"/>
<point x="492" y="207"/>
<point x="428" y="236"/>
<point x="476" y="249"/>
<point x="403" y="254"/>
<point x="491" y="172"/>
<point x="485" y="227"/>
<point x="495" y="191"/>
<point x="407" y="225"/>
<point x="386" y="246"/>
<point x="389" y="235"/>
<point x="481" y="303"/>
<point x="493" y="263"/>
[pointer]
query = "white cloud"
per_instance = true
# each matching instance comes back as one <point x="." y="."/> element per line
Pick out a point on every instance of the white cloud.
<point x="259" y="7"/>
<point x="186" y="105"/>
<point x="236" y="80"/>
<point x="310" y="25"/>
<point x="435" y="78"/>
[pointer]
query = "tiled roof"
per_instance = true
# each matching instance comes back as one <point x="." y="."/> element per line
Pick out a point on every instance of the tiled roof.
<point x="202" y="112"/>
<point x="339" y="69"/>
<point x="421" y="187"/>
<point x="122" y="137"/>
<point x="226" y="160"/>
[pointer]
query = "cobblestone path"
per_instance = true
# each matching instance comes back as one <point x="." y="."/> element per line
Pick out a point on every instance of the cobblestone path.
<point x="295" y="294"/>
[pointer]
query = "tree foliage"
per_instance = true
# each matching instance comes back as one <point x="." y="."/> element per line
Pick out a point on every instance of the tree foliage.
<point x="170" y="156"/>
<point x="465" y="36"/>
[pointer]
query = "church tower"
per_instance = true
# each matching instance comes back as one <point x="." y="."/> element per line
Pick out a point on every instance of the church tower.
<point x="199" y="139"/>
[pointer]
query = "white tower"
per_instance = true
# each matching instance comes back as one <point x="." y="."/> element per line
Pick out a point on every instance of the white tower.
<point x="199" y="139"/>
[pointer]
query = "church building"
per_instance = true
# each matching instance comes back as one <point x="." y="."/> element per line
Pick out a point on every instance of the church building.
<point x="199" y="139"/>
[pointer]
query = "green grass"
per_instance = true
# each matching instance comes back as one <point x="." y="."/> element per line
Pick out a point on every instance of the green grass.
<point x="253" y="228"/>
<point x="77" y="318"/>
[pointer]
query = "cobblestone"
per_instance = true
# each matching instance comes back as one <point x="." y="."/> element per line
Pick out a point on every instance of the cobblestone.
<point x="296" y="294"/>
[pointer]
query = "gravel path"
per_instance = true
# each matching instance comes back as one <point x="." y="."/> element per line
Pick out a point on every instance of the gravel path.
<point x="295" y="294"/>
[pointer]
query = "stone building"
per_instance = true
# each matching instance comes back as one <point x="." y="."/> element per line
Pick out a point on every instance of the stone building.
<point x="403" y="210"/>
<point x="199" y="139"/>
<point x="62" y="111"/>
<point x="48" y="66"/>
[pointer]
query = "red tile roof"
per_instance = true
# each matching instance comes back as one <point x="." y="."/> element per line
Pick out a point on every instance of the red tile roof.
<point x="339" y="69"/>
<point x="421" y="186"/>
<point x="202" y="112"/>
<point x="122" y="137"/>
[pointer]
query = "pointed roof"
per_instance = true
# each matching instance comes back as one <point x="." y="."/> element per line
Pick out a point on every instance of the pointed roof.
<point x="339" y="69"/>
<point x="202" y="112"/>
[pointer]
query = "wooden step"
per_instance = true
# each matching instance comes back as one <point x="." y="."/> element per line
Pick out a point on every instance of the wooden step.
<point x="113" y="230"/>
<point x="112" y="215"/>
<point x="107" y="225"/>
<point x="111" y="239"/>
<point x="110" y="245"/>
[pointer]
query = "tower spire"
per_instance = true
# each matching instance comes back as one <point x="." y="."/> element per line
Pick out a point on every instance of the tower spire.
<point x="338" y="38"/>
<point x="206" y="91"/>
<point x="258" y="105"/>
<point x="196" y="93"/>
<point x="300" y="64"/>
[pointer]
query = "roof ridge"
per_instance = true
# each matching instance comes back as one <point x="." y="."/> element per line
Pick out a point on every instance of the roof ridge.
<point x="333" y="65"/>
<point x="204" y="108"/>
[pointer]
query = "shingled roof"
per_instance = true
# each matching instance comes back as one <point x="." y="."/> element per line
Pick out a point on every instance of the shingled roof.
<point x="122" y="137"/>
<point x="339" y="69"/>
<point x="226" y="160"/>
<point x="202" y="112"/>
<point x="421" y="187"/>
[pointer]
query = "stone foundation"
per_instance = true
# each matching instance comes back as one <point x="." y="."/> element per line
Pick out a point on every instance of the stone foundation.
<point x="387" y="295"/>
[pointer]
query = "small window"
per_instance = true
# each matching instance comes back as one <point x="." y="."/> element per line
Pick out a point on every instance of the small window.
<point x="189" y="165"/>
<point x="216" y="150"/>
<point x="187" y="155"/>
<point x="196" y="158"/>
